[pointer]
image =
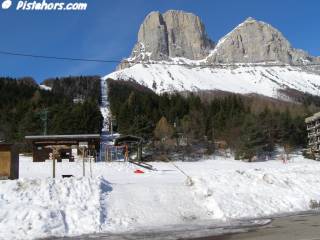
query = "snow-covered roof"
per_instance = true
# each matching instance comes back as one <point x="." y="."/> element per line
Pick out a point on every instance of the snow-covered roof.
<point x="71" y="136"/>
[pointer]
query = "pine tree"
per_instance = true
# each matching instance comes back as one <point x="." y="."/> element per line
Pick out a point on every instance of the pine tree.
<point x="253" y="139"/>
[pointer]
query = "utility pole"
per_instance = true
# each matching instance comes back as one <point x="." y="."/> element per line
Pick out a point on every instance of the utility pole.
<point x="112" y="119"/>
<point x="44" y="118"/>
<point x="111" y="125"/>
<point x="90" y="158"/>
<point x="54" y="167"/>
<point x="83" y="163"/>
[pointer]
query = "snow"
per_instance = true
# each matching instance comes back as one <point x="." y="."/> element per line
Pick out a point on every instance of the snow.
<point x="116" y="200"/>
<point x="45" y="87"/>
<point x="104" y="106"/>
<point x="34" y="208"/>
<point x="243" y="79"/>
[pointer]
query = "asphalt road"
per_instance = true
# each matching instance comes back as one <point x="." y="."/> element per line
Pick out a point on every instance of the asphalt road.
<point x="298" y="227"/>
<point x="301" y="227"/>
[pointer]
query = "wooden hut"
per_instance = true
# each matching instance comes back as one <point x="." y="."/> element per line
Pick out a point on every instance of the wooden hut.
<point x="9" y="161"/>
<point x="68" y="146"/>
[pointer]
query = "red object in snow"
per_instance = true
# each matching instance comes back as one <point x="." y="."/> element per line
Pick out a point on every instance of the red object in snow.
<point x="138" y="171"/>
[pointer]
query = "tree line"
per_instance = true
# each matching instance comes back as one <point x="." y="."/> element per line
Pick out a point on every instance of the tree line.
<point x="248" y="129"/>
<point x="23" y="102"/>
<point x="250" y="126"/>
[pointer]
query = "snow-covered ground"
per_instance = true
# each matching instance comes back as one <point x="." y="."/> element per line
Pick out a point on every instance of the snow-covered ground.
<point x="44" y="87"/>
<point x="116" y="199"/>
<point x="243" y="79"/>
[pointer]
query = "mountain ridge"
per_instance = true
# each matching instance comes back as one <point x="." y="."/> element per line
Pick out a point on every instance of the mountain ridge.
<point x="254" y="57"/>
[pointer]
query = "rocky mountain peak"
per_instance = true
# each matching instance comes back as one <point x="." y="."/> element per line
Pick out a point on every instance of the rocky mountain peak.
<point x="152" y="38"/>
<point x="187" y="36"/>
<point x="255" y="41"/>
<point x="250" y="19"/>
<point x="169" y="35"/>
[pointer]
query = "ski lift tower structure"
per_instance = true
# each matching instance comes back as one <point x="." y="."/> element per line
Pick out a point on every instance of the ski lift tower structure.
<point x="44" y="118"/>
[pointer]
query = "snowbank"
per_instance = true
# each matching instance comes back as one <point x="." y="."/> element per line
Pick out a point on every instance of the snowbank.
<point x="119" y="200"/>
<point x="256" y="192"/>
<point x="45" y="207"/>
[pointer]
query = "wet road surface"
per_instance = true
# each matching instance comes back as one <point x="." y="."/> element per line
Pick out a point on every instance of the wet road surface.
<point x="299" y="227"/>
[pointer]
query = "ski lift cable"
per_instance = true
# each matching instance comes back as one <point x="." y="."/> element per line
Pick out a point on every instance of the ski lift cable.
<point x="236" y="64"/>
<point x="57" y="58"/>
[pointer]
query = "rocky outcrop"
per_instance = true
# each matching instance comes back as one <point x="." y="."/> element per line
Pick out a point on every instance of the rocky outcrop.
<point x="255" y="41"/>
<point x="152" y="39"/>
<point x="169" y="35"/>
<point x="186" y="35"/>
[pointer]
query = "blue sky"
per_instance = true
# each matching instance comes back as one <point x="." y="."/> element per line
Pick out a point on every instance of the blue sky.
<point x="108" y="30"/>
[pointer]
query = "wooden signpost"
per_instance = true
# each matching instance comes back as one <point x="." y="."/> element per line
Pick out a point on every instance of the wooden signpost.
<point x="55" y="155"/>
<point x="83" y="146"/>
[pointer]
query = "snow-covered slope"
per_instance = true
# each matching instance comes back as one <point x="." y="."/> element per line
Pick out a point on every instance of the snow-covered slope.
<point x="244" y="79"/>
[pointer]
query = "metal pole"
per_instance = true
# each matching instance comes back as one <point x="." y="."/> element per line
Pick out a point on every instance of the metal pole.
<point x="53" y="168"/>
<point x="83" y="164"/>
<point x="139" y="152"/>
<point x="117" y="153"/>
<point x="111" y="127"/>
<point x="44" y="118"/>
<point x="90" y="168"/>
<point x="126" y="153"/>
<point x="46" y="122"/>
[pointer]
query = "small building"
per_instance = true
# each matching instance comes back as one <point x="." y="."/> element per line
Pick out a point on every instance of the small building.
<point x="68" y="146"/>
<point x="121" y="147"/>
<point x="133" y="142"/>
<point x="313" y="129"/>
<point x="9" y="161"/>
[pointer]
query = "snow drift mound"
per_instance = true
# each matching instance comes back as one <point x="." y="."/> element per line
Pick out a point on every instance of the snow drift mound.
<point x="256" y="193"/>
<point x="40" y="208"/>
